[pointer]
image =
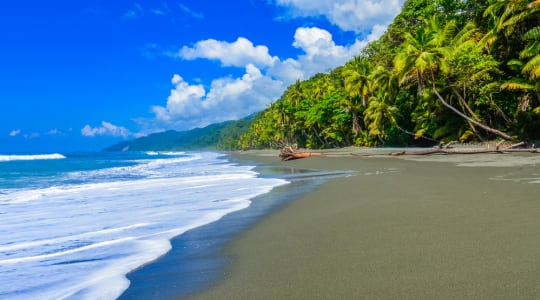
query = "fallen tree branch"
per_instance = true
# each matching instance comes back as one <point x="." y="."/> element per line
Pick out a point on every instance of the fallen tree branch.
<point x="291" y="152"/>
<point x="447" y="145"/>
<point x="444" y="150"/>
<point x="485" y="127"/>
<point x="513" y="146"/>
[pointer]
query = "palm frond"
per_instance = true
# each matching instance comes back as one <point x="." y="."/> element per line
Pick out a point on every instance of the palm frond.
<point x="515" y="64"/>
<point x="532" y="67"/>
<point x="517" y="85"/>
<point x="530" y="50"/>
<point x="533" y="33"/>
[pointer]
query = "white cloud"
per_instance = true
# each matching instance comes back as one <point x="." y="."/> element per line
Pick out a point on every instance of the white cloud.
<point x="15" y="132"/>
<point x="349" y="15"/>
<point x="106" y="128"/>
<point x="321" y="53"/>
<point x="238" y="53"/>
<point x="265" y="78"/>
<point x="228" y="98"/>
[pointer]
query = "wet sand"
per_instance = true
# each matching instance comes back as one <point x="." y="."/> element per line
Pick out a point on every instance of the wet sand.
<point x="398" y="228"/>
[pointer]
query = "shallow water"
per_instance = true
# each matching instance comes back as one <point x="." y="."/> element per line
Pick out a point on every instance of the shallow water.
<point x="74" y="226"/>
<point x="197" y="259"/>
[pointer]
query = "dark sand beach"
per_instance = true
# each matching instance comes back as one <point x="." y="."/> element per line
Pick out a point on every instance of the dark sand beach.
<point x="438" y="227"/>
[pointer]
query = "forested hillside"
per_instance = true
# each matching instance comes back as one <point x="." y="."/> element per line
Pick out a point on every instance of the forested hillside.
<point x="444" y="70"/>
<point x="222" y="136"/>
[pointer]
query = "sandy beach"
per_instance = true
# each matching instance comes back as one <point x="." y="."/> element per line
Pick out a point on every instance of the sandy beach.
<point x="438" y="227"/>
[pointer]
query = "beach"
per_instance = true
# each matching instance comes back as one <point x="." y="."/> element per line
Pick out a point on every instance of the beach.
<point x="437" y="227"/>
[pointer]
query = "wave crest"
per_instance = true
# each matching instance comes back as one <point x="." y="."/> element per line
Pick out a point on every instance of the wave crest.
<point x="31" y="157"/>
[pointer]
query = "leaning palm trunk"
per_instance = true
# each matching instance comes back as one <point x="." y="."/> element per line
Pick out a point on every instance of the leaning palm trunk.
<point x="485" y="127"/>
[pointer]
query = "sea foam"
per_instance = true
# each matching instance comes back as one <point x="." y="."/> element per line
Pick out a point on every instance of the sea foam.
<point x="31" y="157"/>
<point x="78" y="241"/>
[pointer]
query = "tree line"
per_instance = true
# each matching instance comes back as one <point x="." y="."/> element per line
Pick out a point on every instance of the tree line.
<point x="444" y="70"/>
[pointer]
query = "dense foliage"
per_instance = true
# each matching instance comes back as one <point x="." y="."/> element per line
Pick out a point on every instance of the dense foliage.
<point x="444" y="70"/>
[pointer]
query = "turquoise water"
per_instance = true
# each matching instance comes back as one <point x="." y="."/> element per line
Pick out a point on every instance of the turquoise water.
<point x="73" y="225"/>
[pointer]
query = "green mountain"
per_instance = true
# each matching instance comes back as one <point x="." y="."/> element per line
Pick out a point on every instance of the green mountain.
<point x="220" y="136"/>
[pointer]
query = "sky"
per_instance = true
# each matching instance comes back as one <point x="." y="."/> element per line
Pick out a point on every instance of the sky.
<point x="82" y="75"/>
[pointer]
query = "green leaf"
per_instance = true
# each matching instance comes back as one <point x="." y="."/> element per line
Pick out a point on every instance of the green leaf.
<point x="418" y="134"/>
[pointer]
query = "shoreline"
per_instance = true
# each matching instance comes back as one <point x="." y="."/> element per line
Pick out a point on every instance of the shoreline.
<point x="414" y="228"/>
<point x="196" y="260"/>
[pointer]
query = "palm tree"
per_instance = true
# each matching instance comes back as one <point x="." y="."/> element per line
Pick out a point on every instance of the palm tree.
<point x="424" y="56"/>
<point x="356" y="80"/>
<point x="356" y="74"/>
<point x="386" y="79"/>
<point x="380" y="113"/>
<point x="423" y="53"/>
<point x="522" y="16"/>
<point x="296" y="93"/>
<point x="506" y="17"/>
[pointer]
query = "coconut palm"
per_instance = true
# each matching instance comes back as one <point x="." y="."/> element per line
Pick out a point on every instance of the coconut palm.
<point x="424" y="56"/>
<point x="380" y="113"/>
<point x="356" y="80"/>
<point x="423" y="53"/>
<point x="356" y="74"/>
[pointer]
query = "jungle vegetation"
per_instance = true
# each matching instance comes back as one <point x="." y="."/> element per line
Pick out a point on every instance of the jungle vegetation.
<point x="444" y="70"/>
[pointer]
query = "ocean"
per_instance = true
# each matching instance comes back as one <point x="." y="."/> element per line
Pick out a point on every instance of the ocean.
<point x="73" y="225"/>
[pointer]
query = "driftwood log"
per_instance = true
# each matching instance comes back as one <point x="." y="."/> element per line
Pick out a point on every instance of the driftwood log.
<point x="445" y="149"/>
<point x="291" y="152"/>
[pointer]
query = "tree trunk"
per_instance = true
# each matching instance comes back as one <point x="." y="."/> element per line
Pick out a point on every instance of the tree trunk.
<point x="485" y="127"/>
<point x="355" y="124"/>
<point x="413" y="134"/>
<point x="364" y="100"/>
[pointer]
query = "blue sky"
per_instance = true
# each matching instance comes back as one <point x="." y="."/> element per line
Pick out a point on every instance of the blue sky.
<point x="81" y="75"/>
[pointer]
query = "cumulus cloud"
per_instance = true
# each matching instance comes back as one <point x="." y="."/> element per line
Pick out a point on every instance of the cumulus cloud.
<point x="266" y="76"/>
<point x="190" y="105"/>
<point x="107" y="129"/>
<point x="321" y="53"/>
<point x="349" y="15"/>
<point x="15" y="132"/>
<point x="238" y="53"/>
<point x="264" y="80"/>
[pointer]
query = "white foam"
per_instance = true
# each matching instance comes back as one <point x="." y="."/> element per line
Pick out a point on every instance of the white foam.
<point x="4" y="158"/>
<point x="170" y="153"/>
<point x="79" y="241"/>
